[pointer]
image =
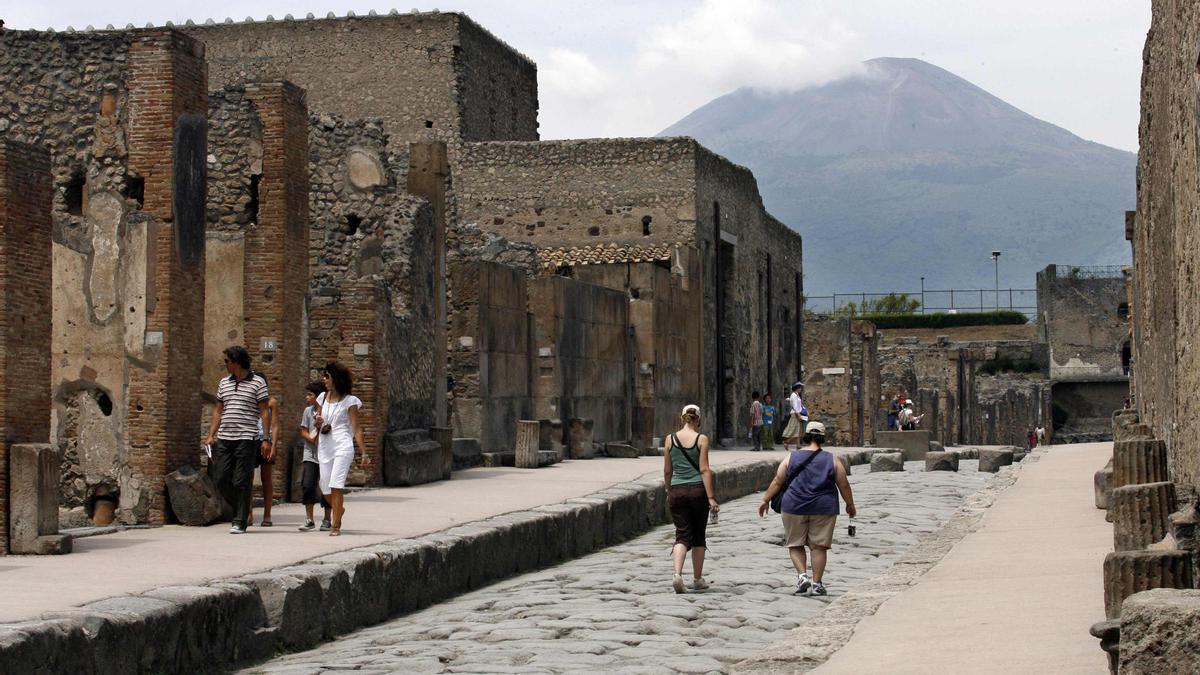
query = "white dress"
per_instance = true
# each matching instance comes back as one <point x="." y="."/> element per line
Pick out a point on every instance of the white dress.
<point x="335" y="450"/>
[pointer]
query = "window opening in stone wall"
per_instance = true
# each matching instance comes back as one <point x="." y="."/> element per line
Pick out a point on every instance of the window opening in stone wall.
<point x="646" y="220"/>
<point x="105" y="403"/>
<point x="252" y="203"/>
<point x="73" y="196"/>
<point x="135" y="189"/>
<point x="594" y="231"/>
<point x="1126" y="357"/>
<point x="428" y="124"/>
<point x="1123" y="310"/>
<point x="353" y="222"/>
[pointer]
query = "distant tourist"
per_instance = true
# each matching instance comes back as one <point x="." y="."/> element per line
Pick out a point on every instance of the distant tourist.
<point x="810" y="480"/>
<point x="756" y="422"/>
<point x="234" y="432"/>
<point x="768" y="429"/>
<point x="1040" y="432"/>
<point x="690" y="495"/>
<point x="894" y="408"/>
<point x="265" y="461"/>
<point x="310" y="467"/>
<point x="797" y="416"/>
<point x="1031" y="439"/>
<point x="908" y="419"/>
<point x="340" y="432"/>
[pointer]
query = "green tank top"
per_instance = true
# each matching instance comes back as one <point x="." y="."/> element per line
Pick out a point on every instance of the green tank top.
<point x="682" y="471"/>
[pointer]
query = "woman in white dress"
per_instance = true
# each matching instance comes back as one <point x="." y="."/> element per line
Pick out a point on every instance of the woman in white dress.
<point x="340" y="433"/>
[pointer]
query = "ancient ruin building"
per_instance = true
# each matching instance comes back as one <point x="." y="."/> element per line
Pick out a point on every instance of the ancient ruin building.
<point x="123" y="117"/>
<point x="842" y="379"/>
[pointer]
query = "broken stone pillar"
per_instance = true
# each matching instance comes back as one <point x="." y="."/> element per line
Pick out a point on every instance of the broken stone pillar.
<point x="1160" y="632"/>
<point x="444" y="437"/>
<point x="621" y="450"/>
<point x="1187" y="535"/>
<point x="1139" y="461"/>
<point x="551" y="440"/>
<point x="528" y="442"/>
<point x="991" y="460"/>
<point x="1109" y="634"/>
<point x="1103" y="486"/>
<point x="581" y="439"/>
<point x="941" y="461"/>
<point x="1141" y="514"/>
<point x="193" y="496"/>
<point x="33" y="498"/>
<point x="1124" y="423"/>
<point x="887" y="461"/>
<point x="1129" y="572"/>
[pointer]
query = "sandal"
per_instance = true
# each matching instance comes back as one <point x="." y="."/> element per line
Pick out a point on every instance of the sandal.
<point x="265" y="523"/>
<point x="335" y="532"/>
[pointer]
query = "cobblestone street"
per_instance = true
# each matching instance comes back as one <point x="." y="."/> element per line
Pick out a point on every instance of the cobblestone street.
<point x="615" y="610"/>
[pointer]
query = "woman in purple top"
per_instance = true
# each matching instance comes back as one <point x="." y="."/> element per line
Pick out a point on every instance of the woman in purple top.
<point x="810" y="505"/>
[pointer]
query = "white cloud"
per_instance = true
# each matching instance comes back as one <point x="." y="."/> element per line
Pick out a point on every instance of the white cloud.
<point x="573" y="74"/>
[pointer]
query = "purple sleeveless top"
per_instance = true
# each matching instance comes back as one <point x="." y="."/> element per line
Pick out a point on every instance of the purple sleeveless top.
<point x="814" y="491"/>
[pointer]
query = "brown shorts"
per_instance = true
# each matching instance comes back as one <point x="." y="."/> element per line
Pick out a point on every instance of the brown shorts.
<point x="812" y="531"/>
<point x="689" y="512"/>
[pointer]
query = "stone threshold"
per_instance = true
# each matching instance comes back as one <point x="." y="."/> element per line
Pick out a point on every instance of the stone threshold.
<point x="810" y="645"/>
<point x="97" y="530"/>
<point x="247" y="619"/>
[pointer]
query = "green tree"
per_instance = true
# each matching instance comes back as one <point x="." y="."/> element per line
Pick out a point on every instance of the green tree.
<point x="892" y="303"/>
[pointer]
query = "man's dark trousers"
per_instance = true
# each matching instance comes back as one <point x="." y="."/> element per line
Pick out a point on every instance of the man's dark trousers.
<point x="233" y="472"/>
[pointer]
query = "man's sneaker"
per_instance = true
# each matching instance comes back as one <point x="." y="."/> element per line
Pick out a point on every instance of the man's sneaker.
<point x="699" y="584"/>
<point x="803" y="584"/>
<point x="237" y="530"/>
<point x="818" y="588"/>
<point x="308" y="526"/>
<point x="326" y="526"/>
<point x="677" y="583"/>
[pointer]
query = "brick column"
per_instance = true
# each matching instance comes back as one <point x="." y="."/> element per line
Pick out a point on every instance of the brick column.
<point x="168" y="104"/>
<point x="276" y="258"/>
<point x="26" y="200"/>
<point x="428" y="170"/>
<point x="351" y="330"/>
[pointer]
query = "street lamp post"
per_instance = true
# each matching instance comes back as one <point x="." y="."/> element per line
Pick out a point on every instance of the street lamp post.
<point x="996" y="260"/>
<point x="922" y="295"/>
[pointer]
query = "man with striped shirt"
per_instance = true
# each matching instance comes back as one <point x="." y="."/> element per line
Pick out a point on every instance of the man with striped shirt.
<point x="241" y="406"/>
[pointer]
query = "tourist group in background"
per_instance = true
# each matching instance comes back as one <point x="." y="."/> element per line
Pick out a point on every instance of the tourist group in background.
<point x="244" y="433"/>
<point x="901" y="416"/>
<point x="764" y="415"/>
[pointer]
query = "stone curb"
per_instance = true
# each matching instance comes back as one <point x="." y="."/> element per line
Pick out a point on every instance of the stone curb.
<point x="246" y="619"/>
<point x="812" y="644"/>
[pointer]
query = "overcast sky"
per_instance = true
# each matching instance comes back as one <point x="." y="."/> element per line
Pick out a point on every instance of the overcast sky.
<point x="633" y="67"/>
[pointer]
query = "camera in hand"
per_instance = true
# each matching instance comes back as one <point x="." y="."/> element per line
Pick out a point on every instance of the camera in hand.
<point x="851" y="529"/>
<point x="327" y="428"/>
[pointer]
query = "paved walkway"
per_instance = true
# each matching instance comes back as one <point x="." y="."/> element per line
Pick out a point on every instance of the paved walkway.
<point x="133" y="561"/>
<point x="1015" y="596"/>
<point x="614" y="611"/>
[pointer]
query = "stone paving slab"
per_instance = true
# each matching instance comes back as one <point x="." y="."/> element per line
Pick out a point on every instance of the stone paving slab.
<point x="614" y="611"/>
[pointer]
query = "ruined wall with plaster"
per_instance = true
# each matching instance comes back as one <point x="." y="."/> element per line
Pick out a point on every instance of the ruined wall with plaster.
<point x="1166" y="317"/>
<point x="1083" y="319"/>
<point x="90" y="99"/>
<point x="841" y="378"/>
<point x="583" y="355"/>
<point x="427" y="76"/>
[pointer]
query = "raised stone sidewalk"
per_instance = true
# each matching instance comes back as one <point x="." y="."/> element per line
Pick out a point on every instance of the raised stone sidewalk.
<point x="178" y="599"/>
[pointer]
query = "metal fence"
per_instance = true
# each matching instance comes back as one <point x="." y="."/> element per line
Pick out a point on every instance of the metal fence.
<point x="1089" y="272"/>
<point x="950" y="301"/>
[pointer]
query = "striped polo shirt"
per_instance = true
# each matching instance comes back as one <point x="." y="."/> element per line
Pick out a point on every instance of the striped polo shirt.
<point x="239" y="400"/>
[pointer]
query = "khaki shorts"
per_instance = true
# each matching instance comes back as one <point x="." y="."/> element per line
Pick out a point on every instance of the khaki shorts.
<point x="812" y="531"/>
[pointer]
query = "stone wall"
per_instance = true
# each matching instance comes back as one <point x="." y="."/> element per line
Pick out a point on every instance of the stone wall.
<point x="633" y="194"/>
<point x="1083" y="319"/>
<point x="1166" y="318"/>
<point x="583" y="368"/>
<point x="123" y="118"/>
<point x="25" y="292"/>
<point x="841" y="379"/>
<point x="427" y="76"/>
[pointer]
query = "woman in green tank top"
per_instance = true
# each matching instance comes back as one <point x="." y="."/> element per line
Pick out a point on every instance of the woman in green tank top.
<point x="690" y="495"/>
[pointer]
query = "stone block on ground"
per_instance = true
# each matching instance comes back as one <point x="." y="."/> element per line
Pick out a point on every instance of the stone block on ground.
<point x="1141" y="514"/>
<point x="580" y="438"/>
<point x="499" y="459"/>
<point x="1102" y="483"/>
<point x="34" y="470"/>
<point x="444" y="437"/>
<point x="548" y="457"/>
<point x="1160" y="632"/>
<point x="411" y="457"/>
<point x="914" y="444"/>
<point x="193" y="496"/>
<point x="467" y="452"/>
<point x="621" y="450"/>
<point x="887" y="461"/>
<point x="1129" y="572"/>
<point x="528" y="442"/>
<point x="941" y="461"/>
<point x="936" y="446"/>
<point x="991" y="460"/>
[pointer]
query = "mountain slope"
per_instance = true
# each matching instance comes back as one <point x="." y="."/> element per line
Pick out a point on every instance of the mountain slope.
<point x="908" y="170"/>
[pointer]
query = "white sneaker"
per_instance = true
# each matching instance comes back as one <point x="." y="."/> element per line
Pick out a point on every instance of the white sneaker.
<point x="803" y="584"/>
<point x="699" y="584"/>
<point x="677" y="583"/>
<point x="237" y="530"/>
